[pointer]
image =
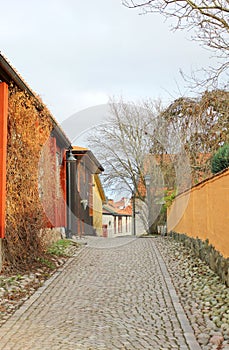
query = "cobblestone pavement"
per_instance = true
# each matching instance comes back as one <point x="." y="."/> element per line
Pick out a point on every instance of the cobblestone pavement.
<point x="114" y="294"/>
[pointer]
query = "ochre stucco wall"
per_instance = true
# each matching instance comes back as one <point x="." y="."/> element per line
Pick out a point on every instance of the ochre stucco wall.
<point x="203" y="212"/>
<point x="97" y="210"/>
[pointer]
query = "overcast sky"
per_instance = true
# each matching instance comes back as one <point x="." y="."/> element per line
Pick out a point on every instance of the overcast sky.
<point x="75" y="54"/>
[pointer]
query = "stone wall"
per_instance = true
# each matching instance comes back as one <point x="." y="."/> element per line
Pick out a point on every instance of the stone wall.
<point x="207" y="253"/>
<point x="52" y="235"/>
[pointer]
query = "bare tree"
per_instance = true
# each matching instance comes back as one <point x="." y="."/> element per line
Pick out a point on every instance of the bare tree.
<point x="121" y="144"/>
<point x="172" y="146"/>
<point x="132" y="144"/>
<point x="202" y="124"/>
<point x="208" y="20"/>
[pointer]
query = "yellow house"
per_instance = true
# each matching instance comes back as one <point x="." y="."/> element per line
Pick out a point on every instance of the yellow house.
<point x="99" y="199"/>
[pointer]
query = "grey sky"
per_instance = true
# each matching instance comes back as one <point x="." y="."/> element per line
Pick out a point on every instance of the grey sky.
<point x="75" y="54"/>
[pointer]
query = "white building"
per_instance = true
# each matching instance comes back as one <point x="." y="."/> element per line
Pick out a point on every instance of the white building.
<point x="117" y="218"/>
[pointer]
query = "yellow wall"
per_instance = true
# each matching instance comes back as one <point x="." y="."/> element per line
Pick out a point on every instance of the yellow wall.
<point x="203" y="212"/>
<point x="97" y="209"/>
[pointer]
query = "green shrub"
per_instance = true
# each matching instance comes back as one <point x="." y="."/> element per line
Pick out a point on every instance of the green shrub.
<point x="220" y="159"/>
<point x="47" y="263"/>
<point x="59" y="248"/>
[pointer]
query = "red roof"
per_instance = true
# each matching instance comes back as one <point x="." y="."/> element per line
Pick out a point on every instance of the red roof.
<point x="122" y="207"/>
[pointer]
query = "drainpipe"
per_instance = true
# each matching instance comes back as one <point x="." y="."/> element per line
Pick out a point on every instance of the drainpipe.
<point x="71" y="194"/>
<point x="148" y="191"/>
<point x="134" y="214"/>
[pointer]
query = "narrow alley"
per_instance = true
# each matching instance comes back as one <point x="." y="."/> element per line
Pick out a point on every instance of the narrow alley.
<point x="114" y="294"/>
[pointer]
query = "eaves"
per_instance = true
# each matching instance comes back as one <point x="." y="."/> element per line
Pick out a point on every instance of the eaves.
<point x="9" y="75"/>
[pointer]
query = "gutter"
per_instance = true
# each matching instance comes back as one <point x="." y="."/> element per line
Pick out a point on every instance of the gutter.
<point x="91" y="157"/>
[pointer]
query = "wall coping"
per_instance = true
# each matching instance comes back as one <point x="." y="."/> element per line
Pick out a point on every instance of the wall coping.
<point x="205" y="181"/>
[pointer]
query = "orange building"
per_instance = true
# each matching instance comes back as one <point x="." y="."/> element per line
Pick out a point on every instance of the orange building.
<point x="58" y="143"/>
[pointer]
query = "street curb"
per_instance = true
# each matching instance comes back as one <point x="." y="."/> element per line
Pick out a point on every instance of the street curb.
<point x="183" y="319"/>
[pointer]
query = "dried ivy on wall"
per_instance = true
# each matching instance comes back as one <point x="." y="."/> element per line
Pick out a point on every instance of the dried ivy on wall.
<point x="47" y="181"/>
<point x="28" y="129"/>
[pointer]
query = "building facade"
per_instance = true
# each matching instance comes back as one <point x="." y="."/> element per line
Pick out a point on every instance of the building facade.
<point x="117" y="218"/>
<point x="81" y="192"/>
<point x="32" y="167"/>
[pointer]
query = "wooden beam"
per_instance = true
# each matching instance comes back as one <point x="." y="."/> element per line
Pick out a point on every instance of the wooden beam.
<point x="3" y="152"/>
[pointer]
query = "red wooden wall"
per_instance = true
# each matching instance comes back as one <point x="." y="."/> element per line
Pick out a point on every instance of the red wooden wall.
<point x="3" y="150"/>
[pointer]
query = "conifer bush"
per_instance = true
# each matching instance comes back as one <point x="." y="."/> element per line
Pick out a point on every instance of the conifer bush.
<point x="220" y="160"/>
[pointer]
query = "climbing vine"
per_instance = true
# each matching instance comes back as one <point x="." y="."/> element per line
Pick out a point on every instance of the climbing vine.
<point x="29" y="126"/>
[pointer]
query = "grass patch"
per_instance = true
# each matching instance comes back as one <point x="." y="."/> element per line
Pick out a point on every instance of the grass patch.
<point x="47" y="263"/>
<point x="59" y="248"/>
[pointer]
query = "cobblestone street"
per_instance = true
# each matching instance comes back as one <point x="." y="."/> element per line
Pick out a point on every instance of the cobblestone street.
<point x="114" y="294"/>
